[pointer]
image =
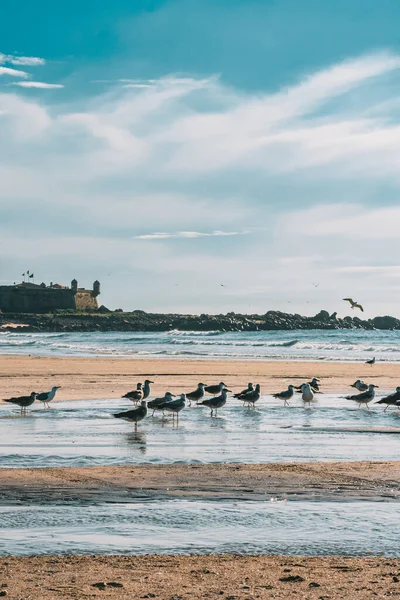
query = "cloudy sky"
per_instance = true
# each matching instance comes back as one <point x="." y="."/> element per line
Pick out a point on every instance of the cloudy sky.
<point x="204" y="155"/>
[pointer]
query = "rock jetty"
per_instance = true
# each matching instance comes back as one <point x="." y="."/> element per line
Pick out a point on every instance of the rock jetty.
<point x="138" y="320"/>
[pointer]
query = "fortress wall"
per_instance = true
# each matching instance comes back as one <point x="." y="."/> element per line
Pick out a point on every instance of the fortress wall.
<point x="34" y="300"/>
<point x="84" y="299"/>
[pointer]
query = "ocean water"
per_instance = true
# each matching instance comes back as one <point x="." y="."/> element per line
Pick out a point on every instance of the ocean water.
<point x="344" y="345"/>
<point x="85" y="433"/>
<point x="201" y="527"/>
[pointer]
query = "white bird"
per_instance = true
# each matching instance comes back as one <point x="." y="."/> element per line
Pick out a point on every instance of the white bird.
<point x="365" y="397"/>
<point x="353" y="304"/>
<point x="47" y="397"/>
<point x="306" y="393"/>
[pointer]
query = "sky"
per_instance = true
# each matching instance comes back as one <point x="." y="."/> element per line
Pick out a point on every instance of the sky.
<point x="203" y="155"/>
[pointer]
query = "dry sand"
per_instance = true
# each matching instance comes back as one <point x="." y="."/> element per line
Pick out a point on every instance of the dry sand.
<point x="86" y="378"/>
<point x="189" y="577"/>
<point x="299" y="481"/>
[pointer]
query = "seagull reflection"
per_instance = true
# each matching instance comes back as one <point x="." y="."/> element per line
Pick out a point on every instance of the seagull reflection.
<point x="137" y="439"/>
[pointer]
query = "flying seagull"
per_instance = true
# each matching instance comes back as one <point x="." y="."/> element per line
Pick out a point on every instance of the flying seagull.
<point x="365" y="397"/>
<point x="47" y="397"/>
<point x="391" y="400"/>
<point x="354" y="304"/>
<point x="285" y="395"/>
<point x="134" y="415"/>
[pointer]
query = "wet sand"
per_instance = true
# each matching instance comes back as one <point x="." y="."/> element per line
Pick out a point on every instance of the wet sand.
<point x="373" y="481"/>
<point x="87" y="378"/>
<point x="228" y="577"/>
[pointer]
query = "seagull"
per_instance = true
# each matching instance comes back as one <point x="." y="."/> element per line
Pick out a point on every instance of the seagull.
<point x="250" y="388"/>
<point x="391" y="400"/>
<point x="146" y="388"/>
<point x="135" y="395"/>
<point x="134" y="415"/>
<point x="47" y="397"/>
<point x="285" y="395"/>
<point x="157" y="402"/>
<point x="354" y="304"/>
<point x="174" y="406"/>
<point x="215" y="389"/>
<point x="314" y="385"/>
<point x="360" y="385"/>
<point x="23" y="401"/>
<point x="252" y="396"/>
<point x="306" y="393"/>
<point x="371" y="362"/>
<point x="365" y="397"/>
<point x="196" y="395"/>
<point x="217" y="402"/>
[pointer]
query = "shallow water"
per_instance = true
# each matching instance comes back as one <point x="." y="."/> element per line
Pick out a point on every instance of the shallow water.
<point x="344" y="345"/>
<point x="181" y="526"/>
<point x="82" y="433"/>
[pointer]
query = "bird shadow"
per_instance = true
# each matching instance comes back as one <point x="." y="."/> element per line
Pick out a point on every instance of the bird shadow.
<point x="137" y="439"/>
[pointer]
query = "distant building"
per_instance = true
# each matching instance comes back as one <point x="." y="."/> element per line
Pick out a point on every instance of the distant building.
<point x="32" y="298"/>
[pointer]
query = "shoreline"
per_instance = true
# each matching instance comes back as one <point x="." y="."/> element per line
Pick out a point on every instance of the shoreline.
<point x="101" y="378"/>
<point x="183" y="577"/>
<point x="323" y="481"/>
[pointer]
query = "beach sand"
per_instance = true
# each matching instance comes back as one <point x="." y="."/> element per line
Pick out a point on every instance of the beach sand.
<point x="229" y="577"/>
<point x="295" y="481"/>
<point x="86" y="378"/>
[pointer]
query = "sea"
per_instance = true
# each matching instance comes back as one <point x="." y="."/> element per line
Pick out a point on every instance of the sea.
<point x="343" y="345"/>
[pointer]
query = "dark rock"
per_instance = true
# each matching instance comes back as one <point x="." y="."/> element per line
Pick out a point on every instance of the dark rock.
<point x="396" y="579"/>
<point x="314" y="584"/>
<point x="99" y="585"/>
<point x="114" y="584"/>
<point x="292" y="578"/>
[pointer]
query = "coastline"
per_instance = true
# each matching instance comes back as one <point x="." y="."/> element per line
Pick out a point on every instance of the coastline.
<point x="98" y="378"/>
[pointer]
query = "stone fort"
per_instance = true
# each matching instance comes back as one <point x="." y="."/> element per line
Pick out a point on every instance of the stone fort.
<point x="32" y="298"/>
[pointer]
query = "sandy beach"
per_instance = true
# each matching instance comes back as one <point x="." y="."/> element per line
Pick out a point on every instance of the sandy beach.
<point x="86" y="378"/>
<point x="376" y="481"/>
<point x="229" y="577"/>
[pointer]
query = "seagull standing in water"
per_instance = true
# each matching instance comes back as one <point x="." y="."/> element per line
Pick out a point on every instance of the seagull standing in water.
<point x="285" y="395"/>
<point x="47" y="397"/>
<point x="217" y="402"/>
<point x="22" y="401"/>
<point x="365" y="397"/>
<point x="360" y="385"/>
<point x="250" y="388"/>
<point x="135" y="415"/>
<point x="391" y="400"/>
<point x="251" y="397"/>
<point x="146" y="389"/>
<point x="157" y="402"/>
<point x="314" y="385"/>
<point x="174" y="406"/>
<point x="135" y="395"/>
<point x="306" y="393"/>
<point x="215" y="389"/>
<point x="197" y="394"/>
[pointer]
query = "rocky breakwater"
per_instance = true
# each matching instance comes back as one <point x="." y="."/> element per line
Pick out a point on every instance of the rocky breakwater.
<point x="105" y="320"/>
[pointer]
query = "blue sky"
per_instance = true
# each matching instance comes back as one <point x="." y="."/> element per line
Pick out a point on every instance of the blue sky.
<point x="169" y="147"/>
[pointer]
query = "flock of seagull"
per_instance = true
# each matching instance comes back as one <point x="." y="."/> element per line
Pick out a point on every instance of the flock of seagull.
<point x="217" y="398"/>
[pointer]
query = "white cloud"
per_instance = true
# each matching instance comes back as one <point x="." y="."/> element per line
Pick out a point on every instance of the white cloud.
<point x="28" y="61"/>
<point x="13" y="72"/>
<point x="38" y="84"/>
<point x="188" y="234"/>
<point x="193" y="158"/>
